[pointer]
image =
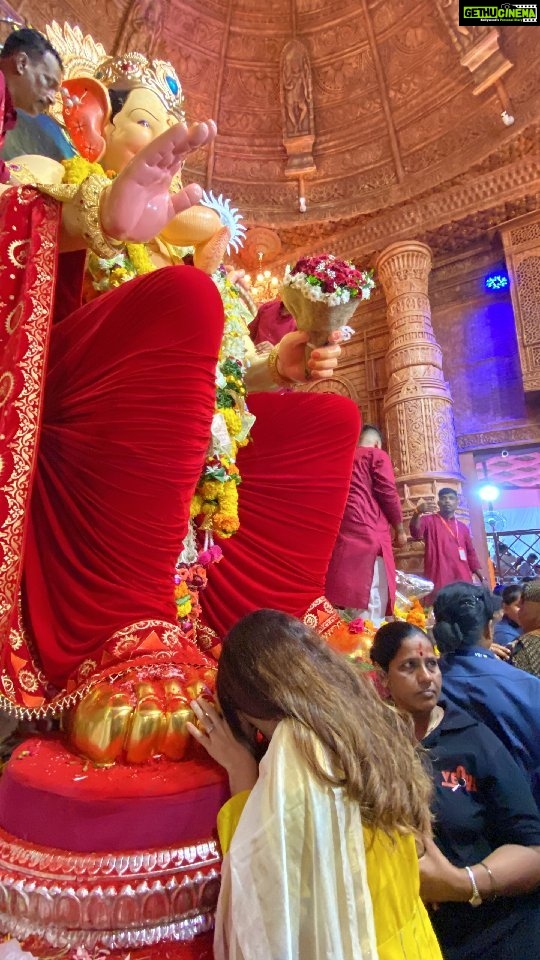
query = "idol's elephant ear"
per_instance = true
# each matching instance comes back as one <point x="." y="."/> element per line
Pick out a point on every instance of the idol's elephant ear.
<point x="86" y="111"/>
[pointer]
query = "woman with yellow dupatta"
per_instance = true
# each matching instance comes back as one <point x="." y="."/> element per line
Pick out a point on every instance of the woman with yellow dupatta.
<point x="319" y="839"/>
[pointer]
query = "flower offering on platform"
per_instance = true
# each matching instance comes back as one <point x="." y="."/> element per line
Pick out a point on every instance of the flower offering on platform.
<point x="417" y="615"/>
<point x="322" y="294"/>
<point x="352" y="637"/>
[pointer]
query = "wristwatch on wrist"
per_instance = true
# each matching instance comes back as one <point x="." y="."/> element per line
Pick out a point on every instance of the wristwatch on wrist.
<point x="476" y="899"/>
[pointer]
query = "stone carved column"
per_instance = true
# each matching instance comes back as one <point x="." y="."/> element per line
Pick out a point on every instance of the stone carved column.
<point x="521" y="241"/>
<point x="418" y="413"/>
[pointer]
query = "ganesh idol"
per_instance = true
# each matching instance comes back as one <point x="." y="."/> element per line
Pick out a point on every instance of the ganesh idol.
<point x="138" y="426"/>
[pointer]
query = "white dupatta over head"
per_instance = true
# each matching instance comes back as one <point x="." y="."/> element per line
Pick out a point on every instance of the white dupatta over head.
<point x="294" y="883"/>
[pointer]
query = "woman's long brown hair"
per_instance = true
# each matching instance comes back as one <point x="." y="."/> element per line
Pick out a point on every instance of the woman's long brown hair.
<point x="273" y="667"/>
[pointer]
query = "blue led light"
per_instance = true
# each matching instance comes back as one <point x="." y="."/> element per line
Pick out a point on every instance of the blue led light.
<point x="488" y="492"/>
<point x="496" y="281"/>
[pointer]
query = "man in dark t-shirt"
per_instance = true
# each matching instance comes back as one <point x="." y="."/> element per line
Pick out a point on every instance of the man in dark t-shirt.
<point x="30" y="77"/>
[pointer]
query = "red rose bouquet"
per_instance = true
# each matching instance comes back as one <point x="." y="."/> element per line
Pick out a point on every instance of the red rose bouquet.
<point x="322" y="294"/>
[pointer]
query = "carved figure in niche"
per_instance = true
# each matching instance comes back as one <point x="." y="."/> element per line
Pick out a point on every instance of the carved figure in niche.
<point x="296" y="90"/>
<point x="144" y="26"/>
<point x="461" y="36"/>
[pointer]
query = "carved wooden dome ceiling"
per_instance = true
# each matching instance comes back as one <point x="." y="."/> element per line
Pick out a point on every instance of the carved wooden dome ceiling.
<point x="391" y="104"/>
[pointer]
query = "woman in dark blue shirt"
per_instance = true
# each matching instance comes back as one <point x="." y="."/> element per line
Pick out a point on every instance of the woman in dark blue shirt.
<point x="503" y="697"/>
<point x="485" y="868"/>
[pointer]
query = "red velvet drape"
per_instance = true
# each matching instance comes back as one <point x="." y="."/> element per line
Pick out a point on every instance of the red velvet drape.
<point x="295" y="479"/>
<point x="129" y="400"/>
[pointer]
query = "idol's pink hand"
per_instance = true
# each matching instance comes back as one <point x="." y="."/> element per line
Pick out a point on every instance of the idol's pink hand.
<point x="138" y="205"/>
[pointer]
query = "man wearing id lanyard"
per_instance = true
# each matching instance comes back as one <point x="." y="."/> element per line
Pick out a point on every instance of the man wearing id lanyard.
<point x="449" y="553"/>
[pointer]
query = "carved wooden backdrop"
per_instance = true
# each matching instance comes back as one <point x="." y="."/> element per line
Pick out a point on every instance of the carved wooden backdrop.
<point x="404" y="107"/>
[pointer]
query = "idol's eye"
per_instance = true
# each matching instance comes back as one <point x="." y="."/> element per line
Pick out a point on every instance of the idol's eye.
<point x="143" y="123"/>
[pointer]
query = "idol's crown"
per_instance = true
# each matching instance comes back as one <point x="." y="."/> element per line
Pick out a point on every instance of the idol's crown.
<point x="157" y="75"/>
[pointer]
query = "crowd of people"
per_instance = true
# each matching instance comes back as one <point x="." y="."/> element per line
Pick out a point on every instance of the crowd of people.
<point x="459" y="855"/>
<point x="360" y="826"/>
<point x="469" y="691"/>
<point x="468" y="688"/>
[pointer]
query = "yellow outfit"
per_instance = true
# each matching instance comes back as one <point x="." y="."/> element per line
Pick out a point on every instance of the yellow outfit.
<point x="402" y="927"/>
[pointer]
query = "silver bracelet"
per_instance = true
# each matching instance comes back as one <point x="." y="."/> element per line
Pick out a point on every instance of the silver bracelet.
<point x="475" y="900"/>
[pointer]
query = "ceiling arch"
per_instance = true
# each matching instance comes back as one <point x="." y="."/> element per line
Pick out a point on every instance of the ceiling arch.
<point x="406" y="104"/>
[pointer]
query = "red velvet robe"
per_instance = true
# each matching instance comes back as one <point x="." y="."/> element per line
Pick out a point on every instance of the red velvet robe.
<point x="373" y="506"/>
<point x="103" y="443"/>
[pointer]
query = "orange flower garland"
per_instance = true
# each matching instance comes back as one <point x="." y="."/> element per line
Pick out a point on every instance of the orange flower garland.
<point x="417" y="615"/>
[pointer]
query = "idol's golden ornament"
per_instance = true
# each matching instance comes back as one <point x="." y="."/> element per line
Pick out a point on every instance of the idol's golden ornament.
<point x="134" y="720"/>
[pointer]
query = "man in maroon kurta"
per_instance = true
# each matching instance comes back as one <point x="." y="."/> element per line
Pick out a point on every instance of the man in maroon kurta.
<point x="449" y="551"/>
<point x="362" y="571"/>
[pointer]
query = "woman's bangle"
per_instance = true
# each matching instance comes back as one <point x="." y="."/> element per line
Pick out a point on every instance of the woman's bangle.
<point x="492" y="890"/>
<point x="273" y="369"/>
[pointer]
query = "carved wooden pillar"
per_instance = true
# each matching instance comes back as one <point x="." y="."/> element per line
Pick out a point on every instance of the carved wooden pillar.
<point x="521" y="240"/>
<point x="418" y="406"/>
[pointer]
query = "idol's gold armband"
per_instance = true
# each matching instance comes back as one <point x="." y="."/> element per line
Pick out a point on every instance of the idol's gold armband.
<point x="84" y="216"/>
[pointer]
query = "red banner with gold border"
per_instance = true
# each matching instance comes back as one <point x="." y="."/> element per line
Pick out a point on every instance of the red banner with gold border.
<point x="29" y="228"/>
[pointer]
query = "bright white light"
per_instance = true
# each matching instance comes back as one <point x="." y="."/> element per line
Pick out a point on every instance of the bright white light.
<point x="489" y="492"/>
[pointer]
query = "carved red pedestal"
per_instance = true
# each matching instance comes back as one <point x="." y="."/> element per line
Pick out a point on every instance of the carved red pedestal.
<point x="140" y="865"/>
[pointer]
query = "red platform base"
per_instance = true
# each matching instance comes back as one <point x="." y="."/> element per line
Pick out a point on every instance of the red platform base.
<point x="198" y="949"/>
<point x="155" y="876"/>
<point x="54" y="798"/>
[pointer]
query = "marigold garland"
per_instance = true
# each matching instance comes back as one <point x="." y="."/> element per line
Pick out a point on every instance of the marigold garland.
<point x="414" y="614"/>
<point x="417" y="615"/>
<point x="216" y="496"/>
